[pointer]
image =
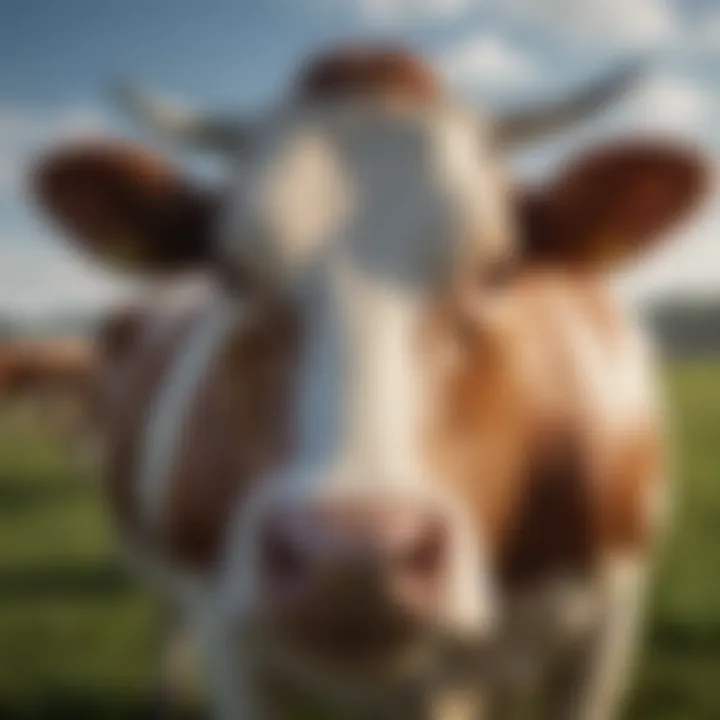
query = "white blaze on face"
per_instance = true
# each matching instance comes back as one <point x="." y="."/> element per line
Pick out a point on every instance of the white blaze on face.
<point x="361" y="393"/>
<point x="393" y="200"/>
<point x="383" y="397"/>
<point x="363" y="209"/>
<point x="362" y="402"/>
<point x="378" y="409"/>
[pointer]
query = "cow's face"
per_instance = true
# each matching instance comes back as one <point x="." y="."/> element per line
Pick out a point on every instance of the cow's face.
<point x="364" y="213"/>
<point x="376" y="216"/>
<point x="364" y="209"/>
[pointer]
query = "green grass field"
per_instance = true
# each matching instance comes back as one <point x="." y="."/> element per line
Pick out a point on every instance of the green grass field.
<point x="77" y="635"/>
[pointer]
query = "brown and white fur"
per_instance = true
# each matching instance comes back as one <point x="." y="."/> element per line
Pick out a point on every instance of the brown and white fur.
<point x="408" y="358"/>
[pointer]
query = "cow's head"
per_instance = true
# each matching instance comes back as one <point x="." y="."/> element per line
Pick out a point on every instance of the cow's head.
<point x="375" y="208"/>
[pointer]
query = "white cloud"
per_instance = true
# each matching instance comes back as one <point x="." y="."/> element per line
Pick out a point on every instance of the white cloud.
<point x="24" y="132"/>
<point x="390" y="11"/>
<point x="37" y="277"/>
<point x="687" y="264"/>
<point x="637" y="22"/>
<point x="8" y="176"/>
<point x="634" y="22"/>
<point x="672" y="103"/>
<point x="706" y="33"/>
<point x="487" y="61"/>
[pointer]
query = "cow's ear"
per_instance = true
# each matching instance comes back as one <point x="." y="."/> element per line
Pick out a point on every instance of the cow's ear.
<point x="126" y="206"/>
<point x="611" y="204"/>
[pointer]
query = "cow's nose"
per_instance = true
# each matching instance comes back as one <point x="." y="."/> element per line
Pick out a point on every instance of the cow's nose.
<point x="343" y="575"/>
<point x="301" y="548"/>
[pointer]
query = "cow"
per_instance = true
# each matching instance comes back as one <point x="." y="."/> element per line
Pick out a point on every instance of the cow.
<point x="407" y="461"/>
<point x="49" y="382"/>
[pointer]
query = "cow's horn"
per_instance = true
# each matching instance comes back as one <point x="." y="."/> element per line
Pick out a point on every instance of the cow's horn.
<point x="179" y="122"/>
<point x="520" y="127"/>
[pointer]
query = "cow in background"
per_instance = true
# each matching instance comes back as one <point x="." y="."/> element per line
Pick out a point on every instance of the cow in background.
<point x="47" y="383"/>
<point x="408" y="460"/>
<point x="53" y="383"/>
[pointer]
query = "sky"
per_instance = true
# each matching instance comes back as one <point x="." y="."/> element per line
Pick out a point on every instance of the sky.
<point x="58" y="59"/>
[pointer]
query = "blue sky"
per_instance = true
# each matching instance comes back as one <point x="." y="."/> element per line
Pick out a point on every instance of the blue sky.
<point x="58" y="56"/>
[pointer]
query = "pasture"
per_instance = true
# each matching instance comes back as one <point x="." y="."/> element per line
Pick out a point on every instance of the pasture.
<point x="77" y="635"/>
